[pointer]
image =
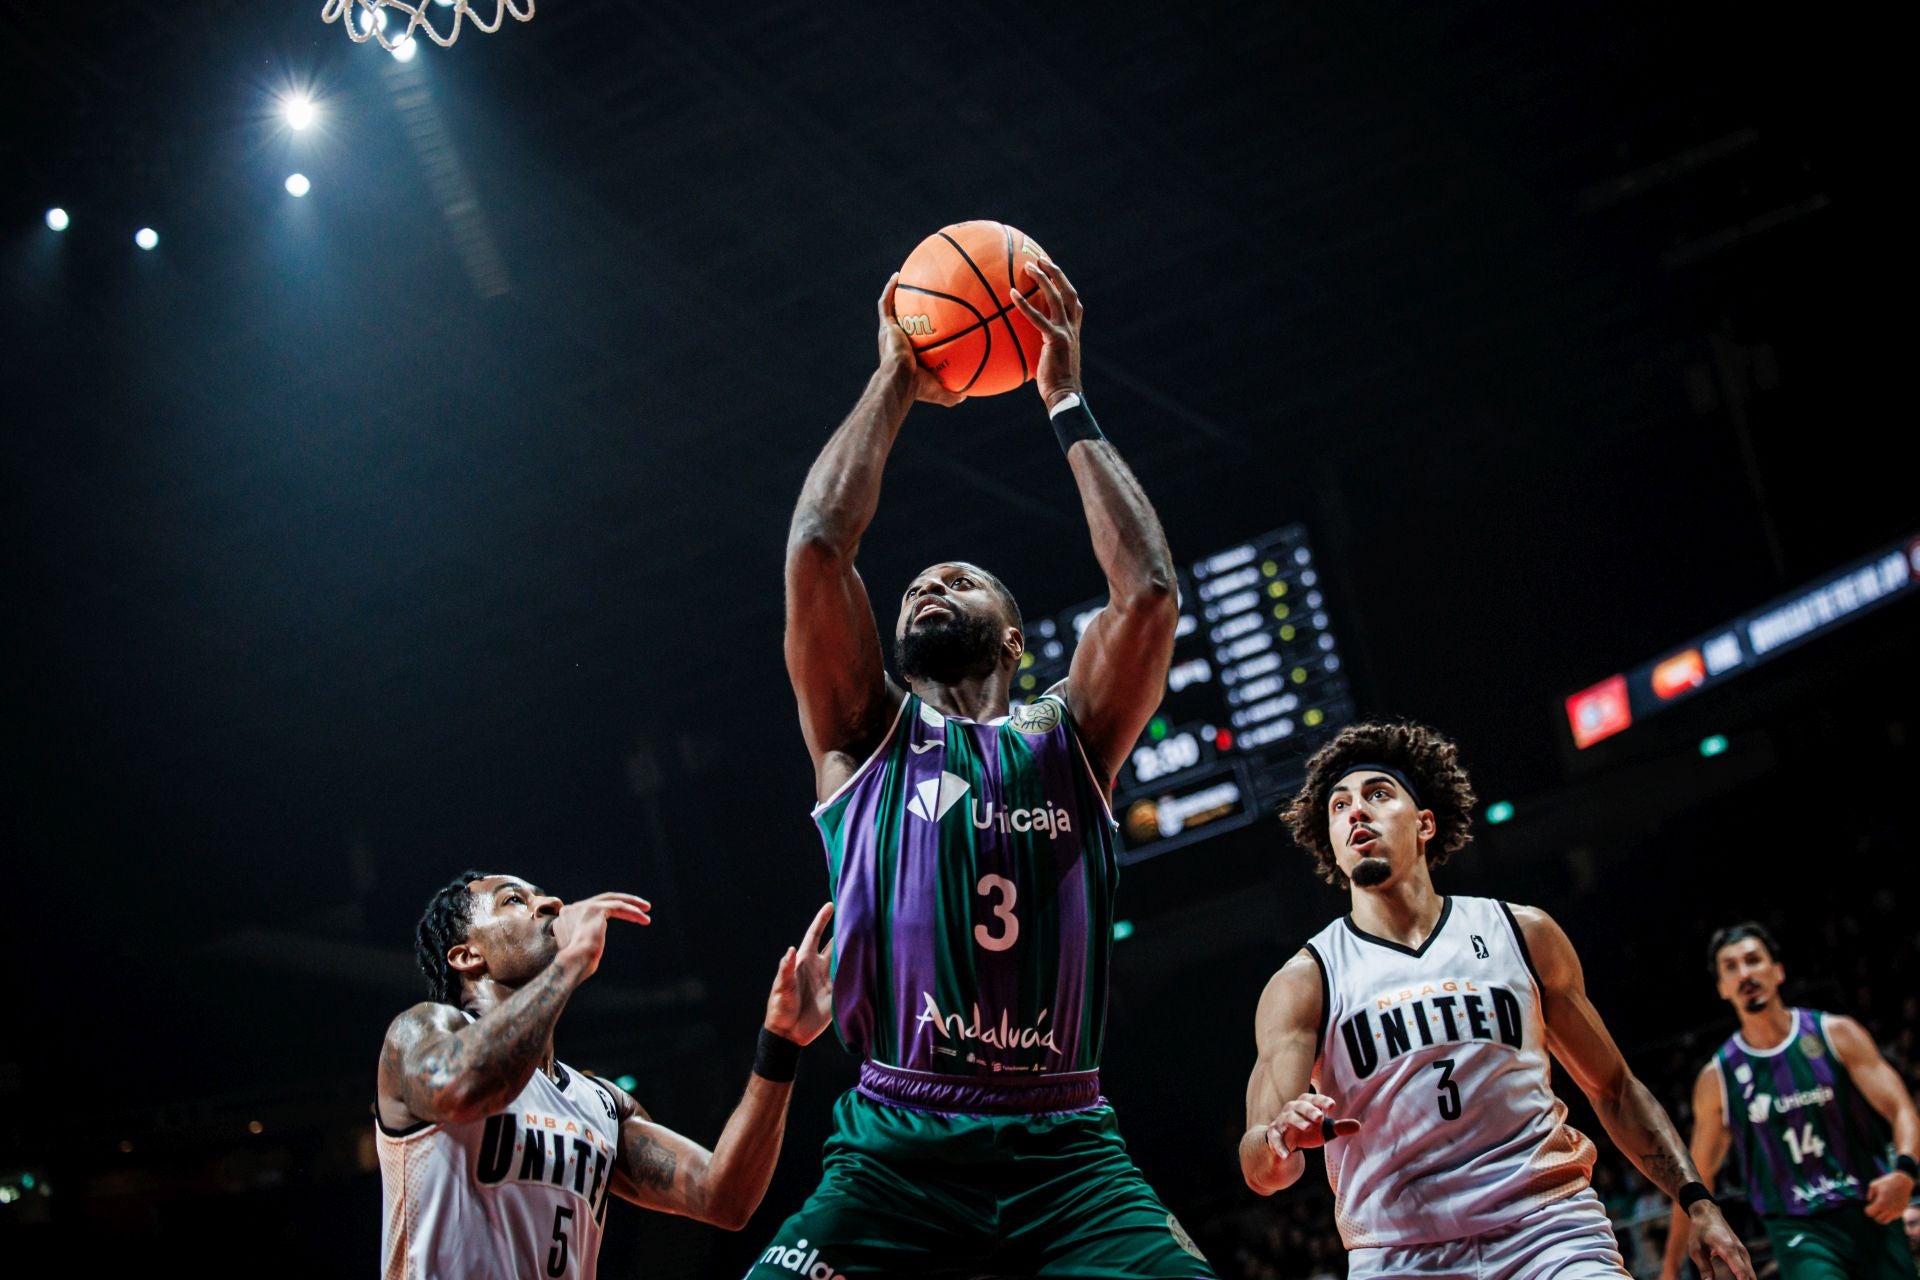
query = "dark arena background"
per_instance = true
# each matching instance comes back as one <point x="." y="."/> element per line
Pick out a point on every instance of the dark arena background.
<point x="429" y="512"/>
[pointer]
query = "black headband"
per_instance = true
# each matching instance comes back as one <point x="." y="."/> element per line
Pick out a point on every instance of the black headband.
<point x="1391" y="772"/>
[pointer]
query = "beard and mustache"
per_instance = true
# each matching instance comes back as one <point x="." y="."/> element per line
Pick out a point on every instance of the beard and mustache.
<point x="946" y="649"/>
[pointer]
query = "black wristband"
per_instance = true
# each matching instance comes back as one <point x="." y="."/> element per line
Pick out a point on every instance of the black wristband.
<point x="1903" y="1163"/>
<point x="1073" y="421"/>
<point x="775" y="1057"/>
<point x="1693" y="1193"/>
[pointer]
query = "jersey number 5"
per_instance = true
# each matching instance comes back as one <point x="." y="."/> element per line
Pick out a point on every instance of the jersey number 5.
<point x="557" y="1256"/>
<point x="1449" y="1091"/>
<point x="1007" y="894"/>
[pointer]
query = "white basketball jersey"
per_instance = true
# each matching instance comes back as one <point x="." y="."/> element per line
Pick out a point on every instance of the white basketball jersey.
<point x="518" y="1195"/>
<point x="1441" y="1055"/>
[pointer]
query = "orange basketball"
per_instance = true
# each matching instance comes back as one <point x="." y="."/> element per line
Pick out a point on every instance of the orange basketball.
<point x="952" y="304"/>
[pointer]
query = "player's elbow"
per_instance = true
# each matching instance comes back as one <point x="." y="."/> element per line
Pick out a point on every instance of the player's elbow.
<point x="468" y="1096"/>
<point x="730" y="1209"/>
<point x="815" y="542"/>
<point x="1152" y="590"/>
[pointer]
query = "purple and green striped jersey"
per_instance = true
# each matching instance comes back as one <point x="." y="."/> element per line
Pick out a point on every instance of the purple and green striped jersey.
<point x="973" y="868"/>
<point x="1805" y="1140"/>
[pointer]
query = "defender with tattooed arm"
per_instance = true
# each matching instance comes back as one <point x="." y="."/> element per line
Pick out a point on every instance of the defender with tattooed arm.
<point x="497" y="1160"/>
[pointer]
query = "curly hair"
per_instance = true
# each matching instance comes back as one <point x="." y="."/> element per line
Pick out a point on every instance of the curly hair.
<point x="443" y="925"/>
<point x="1431" y="763"/>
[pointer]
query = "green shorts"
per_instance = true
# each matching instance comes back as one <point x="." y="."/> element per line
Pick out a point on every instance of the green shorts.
<point x="908" y="1193"/>
<point x="1840" y="1244"/>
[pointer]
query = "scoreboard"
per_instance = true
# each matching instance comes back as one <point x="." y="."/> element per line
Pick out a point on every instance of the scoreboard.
<point x="1255" y="686"/>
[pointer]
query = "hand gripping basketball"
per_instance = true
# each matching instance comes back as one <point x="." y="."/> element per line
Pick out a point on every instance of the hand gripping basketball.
<point x="1307" y="1121"/>
<point x="1057" y="372"/>
<point x="897" y="356"/>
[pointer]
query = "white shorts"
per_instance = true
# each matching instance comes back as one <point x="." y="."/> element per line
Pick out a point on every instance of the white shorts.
<point x="1570" y="1239"/>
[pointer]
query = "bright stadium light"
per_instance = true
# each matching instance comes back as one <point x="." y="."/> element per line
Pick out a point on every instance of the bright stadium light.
<point x="297" y="185"/>
<point x="1713" y="745"/>
<point x="1499" y="811"/>
<point x="405" y="50"/>
<point x="146" y="238"/>
<point x="57" y="218"/>
<point x="299" y="110"/>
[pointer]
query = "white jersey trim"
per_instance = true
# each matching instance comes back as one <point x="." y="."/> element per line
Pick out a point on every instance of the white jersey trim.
<point x="1778" y="1049"/>
<point x="871" y="760"/>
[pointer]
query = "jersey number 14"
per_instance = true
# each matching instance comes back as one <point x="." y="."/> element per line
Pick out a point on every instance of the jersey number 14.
<point x="1806" y="1144"/>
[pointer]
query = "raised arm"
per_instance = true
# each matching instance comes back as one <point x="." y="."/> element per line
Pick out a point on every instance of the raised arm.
<point x="437" y="1067"/>
<point x="1119" y="670"/>
<point x="1709" y="1149"/>
<point x="1284" y="1111"/>
<point x="834" y="656"/>
<point x="1633" y="1117"/>
<point x="1880" y="1085"/>
<point x="660" y="1169"/>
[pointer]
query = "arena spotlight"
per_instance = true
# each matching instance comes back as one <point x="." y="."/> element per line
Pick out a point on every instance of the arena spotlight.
<point x="147" y="238"/>
<point x="1122" y="930"/>
<point x="1499" y="811"/>
<point x="405" y="50"/>
<point x="299" y="110"/>
<point x="1713" y="745"/>
<point x="297" y="185"/>
<point x="57" y="218"/>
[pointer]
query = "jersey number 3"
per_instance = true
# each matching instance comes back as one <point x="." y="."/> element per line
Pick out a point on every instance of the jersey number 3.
<point x="1006" y="894"/>
<point x="1449" y="1091"/>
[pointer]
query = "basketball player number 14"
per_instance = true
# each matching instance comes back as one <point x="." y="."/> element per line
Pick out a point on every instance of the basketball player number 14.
<point x="1003" y="890"/>
<point x="1806" y="1143"/>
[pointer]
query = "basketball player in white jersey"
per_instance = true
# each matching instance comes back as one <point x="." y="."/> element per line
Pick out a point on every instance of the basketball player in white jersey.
<point x="497" y="1160"/>
<point x="1410" y="1038"/>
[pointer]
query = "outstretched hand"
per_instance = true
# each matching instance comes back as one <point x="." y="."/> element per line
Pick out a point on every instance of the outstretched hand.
<point x="1058" y="372"/>
<point x="1302" y="1123"/>
<point x="897" y="354"/>
<point x="801" y="1003"/>
<point x="581" y="927"/>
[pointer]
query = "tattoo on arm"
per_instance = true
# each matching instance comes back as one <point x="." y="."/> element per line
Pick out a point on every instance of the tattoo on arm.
<point x="483" y="1064"/>
<point x="1664" y="1171"/>
<point x="651" y="1164"/>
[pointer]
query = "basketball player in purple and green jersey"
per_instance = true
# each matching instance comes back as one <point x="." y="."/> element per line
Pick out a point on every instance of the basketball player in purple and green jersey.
<point x="1821" y="1128"/>
<point x="972" y="859"/>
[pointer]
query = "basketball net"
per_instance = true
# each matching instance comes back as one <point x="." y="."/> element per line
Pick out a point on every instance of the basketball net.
<point x="367" y="20"/>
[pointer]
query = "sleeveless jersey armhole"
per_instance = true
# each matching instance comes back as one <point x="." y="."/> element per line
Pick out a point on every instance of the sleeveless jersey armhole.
<point x="1520" y="941"/>
<point x="1826" y="1038"/>
<point x="1720" y="1076"/>
<point x="867" y="765"/>
<point x="1326" y="1006"/>
<point x="1086" y="762"/>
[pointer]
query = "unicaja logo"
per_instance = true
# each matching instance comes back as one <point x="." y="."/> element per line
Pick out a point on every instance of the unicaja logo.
<point x="932" y="798"/>
<point x="1051" y="819"/>
<point x="801" y="1261"/>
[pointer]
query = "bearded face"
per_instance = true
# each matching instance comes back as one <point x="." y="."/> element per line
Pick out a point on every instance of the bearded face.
<point x="952" y="624"/>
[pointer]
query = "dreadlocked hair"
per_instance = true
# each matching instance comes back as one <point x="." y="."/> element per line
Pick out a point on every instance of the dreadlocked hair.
<point x="443" y="926"/>
<point x="1431" y="763"/>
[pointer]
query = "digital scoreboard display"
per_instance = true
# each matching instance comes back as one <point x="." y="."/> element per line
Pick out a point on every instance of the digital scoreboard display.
<point x="1256" y="685"/>
<point x="1852" y="591"/>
